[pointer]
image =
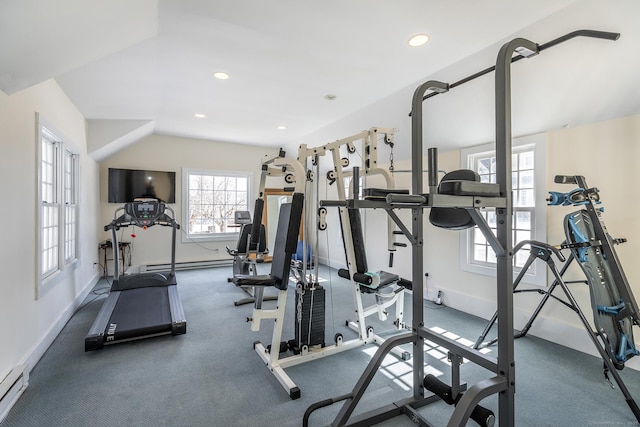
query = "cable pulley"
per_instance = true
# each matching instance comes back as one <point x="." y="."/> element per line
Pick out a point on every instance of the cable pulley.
<point x="331" y="177"/>
<point x="322" y="219"/>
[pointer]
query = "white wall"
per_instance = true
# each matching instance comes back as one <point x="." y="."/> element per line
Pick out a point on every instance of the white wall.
<point x="169" y="153"/>
<point x="29" y="325"/>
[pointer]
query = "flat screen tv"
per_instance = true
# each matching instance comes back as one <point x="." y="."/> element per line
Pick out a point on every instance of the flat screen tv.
<point x="125" y="185"/>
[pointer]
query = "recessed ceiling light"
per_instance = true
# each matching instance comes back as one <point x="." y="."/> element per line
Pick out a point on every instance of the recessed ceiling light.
<point x="330" y="97"/>
<point x="199" y="115"/>
<point x="418" y="40"/>
<point x="221" y="75"/>
<point x="282" y="127"/>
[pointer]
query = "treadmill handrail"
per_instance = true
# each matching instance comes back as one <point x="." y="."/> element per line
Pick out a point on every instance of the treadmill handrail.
<point x="127" y="220"/>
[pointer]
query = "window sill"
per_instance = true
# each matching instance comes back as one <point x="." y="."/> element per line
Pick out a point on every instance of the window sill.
<point x="221" y="237"/>
<point x="48" y="283"/>
<point x="486" y="270"/>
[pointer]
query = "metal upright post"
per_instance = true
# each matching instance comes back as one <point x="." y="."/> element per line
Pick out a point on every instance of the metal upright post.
<point x="417" y="253"/>
<point x="504" y="218"/>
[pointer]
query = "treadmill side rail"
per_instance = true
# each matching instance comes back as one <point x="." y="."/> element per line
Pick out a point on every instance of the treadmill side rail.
<point x="178" y="319"/>
<point x="96" y="337"/>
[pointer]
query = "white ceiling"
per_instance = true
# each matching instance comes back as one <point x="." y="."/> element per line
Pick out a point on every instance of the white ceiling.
<point x="150" y="62"/>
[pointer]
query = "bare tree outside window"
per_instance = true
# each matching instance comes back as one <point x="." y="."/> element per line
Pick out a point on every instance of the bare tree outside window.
<point x="212" y="200"/>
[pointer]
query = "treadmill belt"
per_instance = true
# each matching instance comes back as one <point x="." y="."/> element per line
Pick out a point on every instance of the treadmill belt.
<point x="139" y="312"/>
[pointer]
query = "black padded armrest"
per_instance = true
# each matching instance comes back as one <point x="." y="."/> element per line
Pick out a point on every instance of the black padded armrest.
<point x="469" y="188"/>
<point x="380" y="193"/>
<point x="251" y="280"/>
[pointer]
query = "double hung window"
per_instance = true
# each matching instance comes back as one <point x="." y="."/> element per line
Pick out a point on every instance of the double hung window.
<point x="58" y="169"/>
<point x="528" y="182"/>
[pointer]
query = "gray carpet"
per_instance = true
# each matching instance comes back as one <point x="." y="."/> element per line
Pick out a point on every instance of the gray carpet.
<point x="212" y="377"/>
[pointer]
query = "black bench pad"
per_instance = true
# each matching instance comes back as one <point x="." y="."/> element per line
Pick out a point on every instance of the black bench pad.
<point x="469" y="188"/>
<point x="253" y="280"/>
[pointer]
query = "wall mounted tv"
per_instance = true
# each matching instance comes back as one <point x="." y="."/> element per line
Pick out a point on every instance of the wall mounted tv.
<point x="125" y="185"/>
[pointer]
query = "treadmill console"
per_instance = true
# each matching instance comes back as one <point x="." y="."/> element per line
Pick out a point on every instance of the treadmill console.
<point x="144" y="213"/>
<point x="242" y="217"/>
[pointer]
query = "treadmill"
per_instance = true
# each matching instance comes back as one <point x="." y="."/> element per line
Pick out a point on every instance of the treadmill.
<point x="139" y="305"/>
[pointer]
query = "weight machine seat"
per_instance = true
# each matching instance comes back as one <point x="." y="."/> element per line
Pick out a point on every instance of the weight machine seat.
<point x="285" y="246"/>
<point x="363" y="276"/>
<point x="463" y="182"/>
<point x="366" y="280"/>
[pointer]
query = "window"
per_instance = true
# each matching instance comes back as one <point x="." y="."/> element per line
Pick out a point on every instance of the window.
<point x="529" y="193"/>
<point x="58" y="205"/>
<point x="211" y="198"/>
<point x="70" y="205"/>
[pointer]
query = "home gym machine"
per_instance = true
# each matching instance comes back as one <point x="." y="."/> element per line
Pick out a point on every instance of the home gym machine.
<point x="614" y="307"/>
<point x="387" y="288"/>
<point x="470" y="196"/>
<point x="309" y="340"/>
<point x="139" y="305"/>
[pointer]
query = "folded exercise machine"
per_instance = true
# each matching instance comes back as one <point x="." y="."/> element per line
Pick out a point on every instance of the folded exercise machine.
<point x="613" y="304"/>
<point x="470" y="196"/>
<point x="139" y="305"/>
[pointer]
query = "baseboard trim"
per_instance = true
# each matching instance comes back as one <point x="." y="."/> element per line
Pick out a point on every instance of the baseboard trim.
<point x="184" y="265"/>
<point x="37" y="351"/>
<point x="11" y="388"/>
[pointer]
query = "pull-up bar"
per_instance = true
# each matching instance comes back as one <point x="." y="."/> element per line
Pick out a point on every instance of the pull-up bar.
<point x="604" y="35"/>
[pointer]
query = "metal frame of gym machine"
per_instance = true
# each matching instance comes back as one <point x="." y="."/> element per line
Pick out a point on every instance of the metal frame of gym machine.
<point x="295" y="172"/>
<point x="503" y="383"/>
<point x="369" y="150"/>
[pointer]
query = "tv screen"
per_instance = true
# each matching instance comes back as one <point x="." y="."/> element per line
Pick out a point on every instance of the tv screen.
<point x="125" y="185"/>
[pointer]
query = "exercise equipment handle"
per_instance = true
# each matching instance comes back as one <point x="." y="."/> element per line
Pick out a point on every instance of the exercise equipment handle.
<point x="483" y="416"/>
<point x="540" y="245"/>
<point x="333" y="203"/>
<point x="410" y="199"/>
<point x="322" y="404"/>
<point x="605" y="35"/>
<point x="565" y="179"/>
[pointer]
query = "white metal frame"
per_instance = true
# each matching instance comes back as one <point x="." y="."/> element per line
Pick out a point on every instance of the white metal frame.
<point x="279" y="165"/>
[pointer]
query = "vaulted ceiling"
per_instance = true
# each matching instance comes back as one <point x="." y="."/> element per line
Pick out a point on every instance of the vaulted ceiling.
<point x="134" y="67"/>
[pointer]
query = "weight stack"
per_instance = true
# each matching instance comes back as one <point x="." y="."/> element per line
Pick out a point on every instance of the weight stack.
<point x="313" y="306"/>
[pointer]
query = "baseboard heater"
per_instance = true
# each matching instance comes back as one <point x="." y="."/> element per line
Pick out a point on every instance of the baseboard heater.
<point x="11" y="388"/>
<point x="188" y="265"/>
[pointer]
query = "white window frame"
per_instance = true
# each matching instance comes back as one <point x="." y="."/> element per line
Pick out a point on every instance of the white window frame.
<point x="188" y="237"/>
<point x="70" y="183"/>
<point x="537" y="274"/>
<point x="62" y="174"/>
